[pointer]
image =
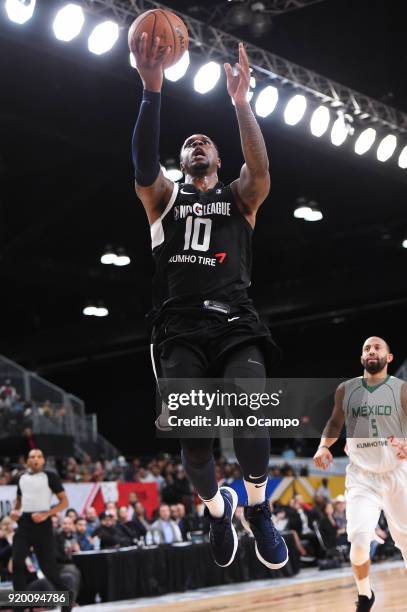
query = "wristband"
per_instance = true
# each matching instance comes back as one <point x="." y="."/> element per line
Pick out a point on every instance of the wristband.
<point x="323" y="446"/>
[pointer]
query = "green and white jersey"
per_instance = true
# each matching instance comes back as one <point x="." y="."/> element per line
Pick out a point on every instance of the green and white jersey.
<point x="372" y="414"/>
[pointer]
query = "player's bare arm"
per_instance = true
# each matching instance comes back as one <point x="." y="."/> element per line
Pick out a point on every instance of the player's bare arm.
<point x="253" y="185"/>
<point x="401" y="445"/>
<point x="16" y="512"/>
<point x="323" y="457"/>
<point x="152" y="187"/>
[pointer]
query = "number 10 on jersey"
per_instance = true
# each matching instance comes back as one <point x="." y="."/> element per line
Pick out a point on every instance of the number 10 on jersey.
<point x="200" y="230"/>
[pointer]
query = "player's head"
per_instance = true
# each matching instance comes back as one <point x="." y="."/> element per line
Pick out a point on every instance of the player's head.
<point x="199" y="156"/>
<point x="35" y="460"/>
<point x="376" y="355"/>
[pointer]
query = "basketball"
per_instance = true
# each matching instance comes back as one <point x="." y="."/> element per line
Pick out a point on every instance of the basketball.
<point x="165" y="24"/>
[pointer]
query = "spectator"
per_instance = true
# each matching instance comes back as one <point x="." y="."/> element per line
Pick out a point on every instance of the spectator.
<point x="158" y="478"/>
<point x="165" y="530"/>
<point x="7" y="530"/>
<point x="131" y="505"/>
<point x="133" y="530"/>
<point x="144" y="475"/>
<point x="71" y="512"/>
<point x="8" y="394"/>
<point x="328" y="527"/>
<point x="323" y="490"/>
<point x="140" y="515"/>
<point x="107" y="532"/>
<point x="66" y="545"/>
<point x="92" y="520"/>
<point x="83" y="540"/>
<point x="111" y="508"/>
<point x="340" y="518"/>
<point x="169" y="493"/>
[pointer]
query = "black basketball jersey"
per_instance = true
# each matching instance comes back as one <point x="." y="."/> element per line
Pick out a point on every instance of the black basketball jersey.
<point x="201" y="247"/>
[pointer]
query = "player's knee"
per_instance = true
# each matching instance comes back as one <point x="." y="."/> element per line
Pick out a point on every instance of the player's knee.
<point x="360" y="548"/>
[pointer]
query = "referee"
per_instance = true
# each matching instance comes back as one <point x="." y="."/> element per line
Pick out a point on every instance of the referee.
<point x="33" y="512"/>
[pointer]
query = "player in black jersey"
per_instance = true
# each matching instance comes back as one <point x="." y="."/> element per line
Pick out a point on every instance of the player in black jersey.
<point x="203" y="320"/>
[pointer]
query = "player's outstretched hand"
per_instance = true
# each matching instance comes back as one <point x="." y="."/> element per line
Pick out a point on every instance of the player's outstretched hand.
<point x="401" y="446"/>
<point x="238" y="82"/>
<point x="150" y="61"/>
<point x="323" y="458"/>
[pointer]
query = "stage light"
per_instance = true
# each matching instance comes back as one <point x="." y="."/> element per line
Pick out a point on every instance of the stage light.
<point x="68" y="22"/>
<point x="89" y="311"/>
<point x="103" y="37"/>
<point x="122" y="259"/>
<point x="301" y="212"/>
<point x="386" y="147"/>
<point x="339" y="132"/>
<point x="365" y="141"/>
<point x="295" y="109"/>
<point x="20" y="11"/>
<point x="266" y="101"/>
<point x="314" y="215"/>
<point x="319" y="121"/>
<point x="171" y="170"/>
<point x="207" y="77"/>
<point x="403" y="159"/>
<point x="101" y="311"/>
<point x="109" y="256"/>
<point x="404" y="244"/>
<point x="176" y="72"/>
<point x="252" y="82"/>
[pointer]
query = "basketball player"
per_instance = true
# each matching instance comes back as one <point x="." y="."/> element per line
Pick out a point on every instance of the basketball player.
<point x="376" y="477"/>
<point x="203" y="320"/>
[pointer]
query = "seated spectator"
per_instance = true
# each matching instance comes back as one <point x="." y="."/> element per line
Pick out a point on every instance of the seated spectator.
<point x="83" y="540"/>
<point x="133" y="530"/>
<point x="140" y="515"/>
<point x="7" y="530"/>
<point x="323" y="490"/>
<point x="107" y="532"/>
<point x="8" y="394"/>
<point x="165" y="530"/>
<point x="144" y="475"/>
<point x="328" y="527"/>
<point x="92" y="520"/>
<point x="131" y="505"/>
<point x="158" y="478"/>
<point x="178" y="515"/>
<point x="111" y="508"/>
<point x="66" y="545"/>
<point x="169" y="493"/>
<point x="340" y="518"/>
<point x="71" y="512"/>
<point x="56" y="522"/>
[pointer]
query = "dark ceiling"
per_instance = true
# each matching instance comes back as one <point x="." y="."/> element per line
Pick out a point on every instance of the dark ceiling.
<point x="66" y="119"/>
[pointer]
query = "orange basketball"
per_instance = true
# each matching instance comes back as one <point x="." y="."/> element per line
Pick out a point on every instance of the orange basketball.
<point x="165" y="24"/>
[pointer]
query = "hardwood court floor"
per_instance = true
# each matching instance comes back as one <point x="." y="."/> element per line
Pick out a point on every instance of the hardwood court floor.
<point x="337" y="595"/>
<point x="315" y="592"/>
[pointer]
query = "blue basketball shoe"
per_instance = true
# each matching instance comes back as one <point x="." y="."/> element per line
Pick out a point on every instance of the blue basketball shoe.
<point x="222" y="535"/>
<point x="271" y="548"/>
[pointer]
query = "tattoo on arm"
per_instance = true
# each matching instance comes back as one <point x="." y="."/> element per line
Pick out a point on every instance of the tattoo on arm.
<point x="253" y="145"/>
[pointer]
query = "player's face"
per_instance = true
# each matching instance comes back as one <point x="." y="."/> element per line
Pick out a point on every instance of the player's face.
<point x="375" y="355"/>
<point x="35" y="460"/>
<point x="199" y="155"/>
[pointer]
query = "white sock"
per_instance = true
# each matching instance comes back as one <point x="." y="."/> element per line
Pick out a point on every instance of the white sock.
<point x="216" y="505"/>
<point x="363" y="587"/>
<point x="256" y="492"/>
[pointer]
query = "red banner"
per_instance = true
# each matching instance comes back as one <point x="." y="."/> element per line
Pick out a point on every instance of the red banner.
<point x="147" y="494"/>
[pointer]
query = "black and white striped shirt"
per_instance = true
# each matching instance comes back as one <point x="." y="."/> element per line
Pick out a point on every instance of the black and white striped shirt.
<point x="36" y="490"/>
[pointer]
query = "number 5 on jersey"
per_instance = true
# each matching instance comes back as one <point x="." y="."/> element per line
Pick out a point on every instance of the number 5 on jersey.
<point x="200" y="238"/>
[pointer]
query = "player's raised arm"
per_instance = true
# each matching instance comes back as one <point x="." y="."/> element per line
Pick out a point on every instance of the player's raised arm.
<point x="153" y="189"/>
<point x="253" y="185"/>
<point x="323" y="457"/>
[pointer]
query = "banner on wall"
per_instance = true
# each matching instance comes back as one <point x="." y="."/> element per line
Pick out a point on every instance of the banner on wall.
<point x="97" y="494"/>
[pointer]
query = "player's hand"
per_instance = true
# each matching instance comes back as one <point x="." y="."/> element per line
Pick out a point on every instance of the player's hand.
<point x="149" y="62"/>
<point x="15" y="515"/>
<point x="323" y="458"/>
<point x="238" y="85"/>
<point x="39" y="517"/>
<point x="401" y="446"/>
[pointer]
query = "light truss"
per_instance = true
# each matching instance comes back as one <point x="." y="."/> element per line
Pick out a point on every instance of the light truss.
<point x="219" y="45"/>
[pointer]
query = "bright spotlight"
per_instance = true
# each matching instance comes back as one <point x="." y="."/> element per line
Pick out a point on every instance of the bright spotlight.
<point x="69" y="22"/>
<point x="207" y="77"/>
<point x="108" y="257"/>
<point x="339" y="132"/>
<point x="266" y="101"/>
<point x="386" y="148"/>
<point x="314" y="215"/>
<point x="171" y="170"/>
<point x="295" y="109"/>
<point x="90" y="311"/>
<point x="103" y="37"/>
<point x="101" y="311"/>
<point x="404" y="244"/>
<point x="403" y="159"/>
<point x="20" y="11"/>
<point x="365" y="141"/>
<point x="302" y="211"/>
<point x="176" y="72"/>
<point x="319" y="121"/>
<point x="122" y="259"/>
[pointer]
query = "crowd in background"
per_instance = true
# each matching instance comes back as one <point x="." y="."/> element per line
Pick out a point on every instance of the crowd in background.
<point x="318" y="528"/>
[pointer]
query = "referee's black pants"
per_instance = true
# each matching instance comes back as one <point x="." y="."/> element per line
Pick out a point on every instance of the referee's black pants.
<point x="39" y="536"/>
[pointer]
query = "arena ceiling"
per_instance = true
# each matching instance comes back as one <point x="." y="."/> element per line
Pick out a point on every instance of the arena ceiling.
<point x="66" y="119"/>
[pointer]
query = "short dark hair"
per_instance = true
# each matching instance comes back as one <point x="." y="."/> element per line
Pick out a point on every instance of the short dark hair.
<point x="211" y="139"/>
